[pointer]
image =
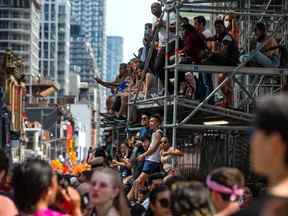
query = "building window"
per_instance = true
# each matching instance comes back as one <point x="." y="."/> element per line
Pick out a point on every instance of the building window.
<point x="53" y="12"/>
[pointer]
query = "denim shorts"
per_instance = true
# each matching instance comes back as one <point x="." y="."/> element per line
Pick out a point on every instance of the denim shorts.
<point x="151" y="167"/>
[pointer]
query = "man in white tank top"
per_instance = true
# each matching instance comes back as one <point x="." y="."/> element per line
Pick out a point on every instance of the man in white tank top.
<point x="152" y="155"/>
<point x="151" y="158"/>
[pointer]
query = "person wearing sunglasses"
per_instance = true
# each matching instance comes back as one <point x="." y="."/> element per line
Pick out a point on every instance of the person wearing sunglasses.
<point x="145" y="126"/>
<point x="159" y="202"/>
<point x="168" y="154"/>
<point x="106" y="194"/>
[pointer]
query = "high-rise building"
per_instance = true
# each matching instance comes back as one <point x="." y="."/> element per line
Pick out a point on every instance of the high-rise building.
<point x="90" y="15"/>
<point x="114" y="56"/>
<point x="80" y="56"/>
<point x="55" y="43"/>
<point x="64" y="14"/>
<point x="19" y="31"/>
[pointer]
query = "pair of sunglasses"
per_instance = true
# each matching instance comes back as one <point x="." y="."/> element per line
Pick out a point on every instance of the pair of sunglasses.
<point x="164" y="203"/>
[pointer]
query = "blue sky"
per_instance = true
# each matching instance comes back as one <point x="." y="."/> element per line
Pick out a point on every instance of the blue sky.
<point x="126" y="18"/>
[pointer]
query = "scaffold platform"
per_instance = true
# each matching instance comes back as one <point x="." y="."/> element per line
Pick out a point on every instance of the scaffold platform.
<point x="184" y="118"/>
<point x="187" y="105"/>
<point x="229" y="69"/>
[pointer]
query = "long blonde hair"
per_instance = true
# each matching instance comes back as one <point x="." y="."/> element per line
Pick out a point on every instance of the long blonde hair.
<point x="120" y="202"/>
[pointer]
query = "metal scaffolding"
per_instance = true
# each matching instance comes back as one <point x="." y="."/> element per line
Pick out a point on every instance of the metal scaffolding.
<point x="248" y="82"/>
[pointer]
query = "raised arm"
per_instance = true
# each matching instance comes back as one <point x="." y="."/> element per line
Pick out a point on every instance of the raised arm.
<point x="113" y="84"/>
<point x="174" y="152"/>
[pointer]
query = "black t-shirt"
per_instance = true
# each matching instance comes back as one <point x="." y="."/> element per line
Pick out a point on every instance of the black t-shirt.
<point x="269" y="205"/>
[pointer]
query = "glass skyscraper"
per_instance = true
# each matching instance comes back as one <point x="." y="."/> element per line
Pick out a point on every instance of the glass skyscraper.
<point x="80" y="56"/>
<point x="90" y="15"/>
<point x="114" y="56"/>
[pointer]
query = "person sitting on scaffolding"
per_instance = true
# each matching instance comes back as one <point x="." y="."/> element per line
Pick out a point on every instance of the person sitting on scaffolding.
<point x="192" y="52"/>
<point x="193" y="43"/>
<point x="159" y="25"/>
<point x="143" y="51"/>
<point x="230" y="22"/>
<point x="117" y="103"/>
<point x="149" y="86"/>
<point x="200" y="26"/>
<point x="136" y="76"/>
<point x="269" y="55"/>
<point x="225" y="53"/>
<point x="149" y="76"/>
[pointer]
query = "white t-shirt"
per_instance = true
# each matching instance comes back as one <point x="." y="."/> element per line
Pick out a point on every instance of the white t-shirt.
<point x="162" y="35"/>
<point x="207" y="33"/>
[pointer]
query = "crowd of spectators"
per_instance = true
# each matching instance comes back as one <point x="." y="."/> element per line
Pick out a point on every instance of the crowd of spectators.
<point x="144" y="75"/>
<point x="143" y="179"/>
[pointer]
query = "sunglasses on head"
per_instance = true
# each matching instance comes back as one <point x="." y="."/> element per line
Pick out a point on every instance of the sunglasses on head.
<point x="164" y="203"/>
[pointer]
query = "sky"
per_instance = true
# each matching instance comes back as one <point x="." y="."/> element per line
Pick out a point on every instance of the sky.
<point x="127" y="18"/>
